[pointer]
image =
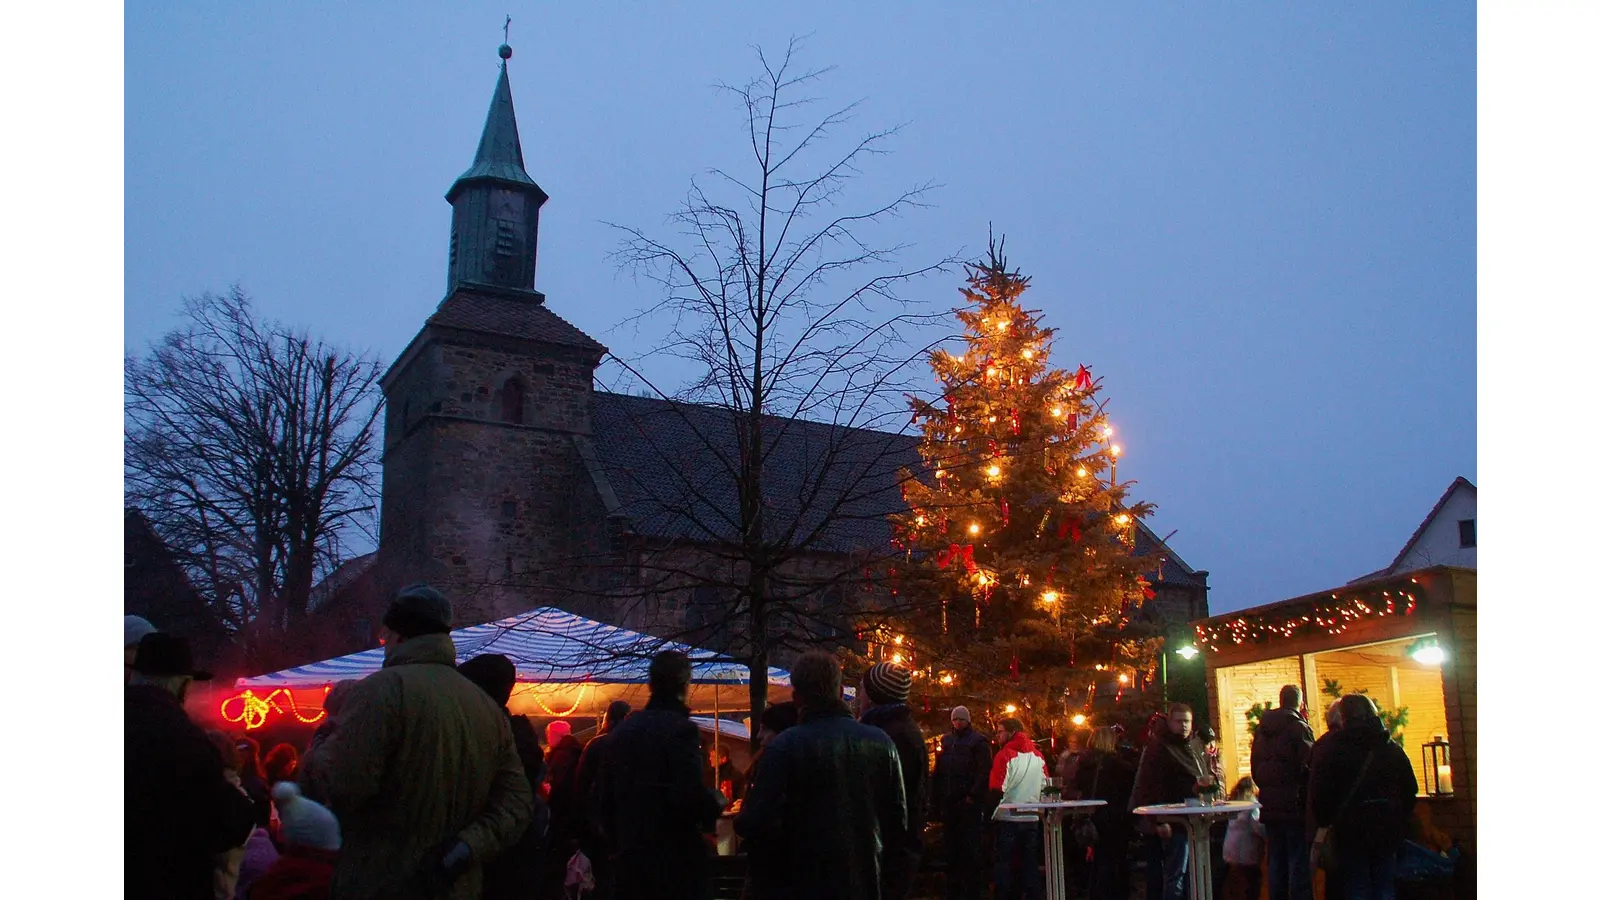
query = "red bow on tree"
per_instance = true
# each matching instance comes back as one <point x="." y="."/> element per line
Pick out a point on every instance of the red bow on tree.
<point x="956" y="553"/>
<point x="1081" y="381"/>
<point x="1069" y="525"/>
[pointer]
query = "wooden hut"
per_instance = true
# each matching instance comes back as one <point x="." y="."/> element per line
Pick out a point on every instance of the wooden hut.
<point x="1376" y="637"/>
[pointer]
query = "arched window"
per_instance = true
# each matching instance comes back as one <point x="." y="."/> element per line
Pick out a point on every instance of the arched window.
<point x="511" y="396"/>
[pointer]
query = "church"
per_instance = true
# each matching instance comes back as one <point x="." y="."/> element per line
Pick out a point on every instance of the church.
<point x="510" y="482"/>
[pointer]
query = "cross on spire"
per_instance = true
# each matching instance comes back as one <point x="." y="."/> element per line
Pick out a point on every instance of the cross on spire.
<point x="507" y="30"/>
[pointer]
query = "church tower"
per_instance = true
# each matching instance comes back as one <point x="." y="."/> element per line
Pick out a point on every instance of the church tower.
<point x="486" y="432"/>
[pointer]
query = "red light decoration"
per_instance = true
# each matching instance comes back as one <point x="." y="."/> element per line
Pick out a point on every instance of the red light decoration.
<point x="251" y="710"/>
<point x="1332" y="615"/>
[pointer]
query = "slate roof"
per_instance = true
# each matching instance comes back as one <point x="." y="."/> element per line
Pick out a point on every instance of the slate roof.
<point x="513" y="316"/>
<point x="672" y="468"/>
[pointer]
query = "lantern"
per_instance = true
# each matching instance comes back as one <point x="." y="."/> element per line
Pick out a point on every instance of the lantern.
<point x="1436" y="778"/>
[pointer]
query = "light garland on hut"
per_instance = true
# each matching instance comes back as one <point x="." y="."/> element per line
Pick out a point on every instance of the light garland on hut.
<point x="1333" y="616"/>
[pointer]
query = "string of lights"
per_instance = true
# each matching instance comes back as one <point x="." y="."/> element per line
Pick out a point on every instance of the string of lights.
<point x="1331" y="615"/>
<point x="252" y="710"/>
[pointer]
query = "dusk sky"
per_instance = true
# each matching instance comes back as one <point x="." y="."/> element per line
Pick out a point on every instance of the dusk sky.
<point x="1256" y="223"/>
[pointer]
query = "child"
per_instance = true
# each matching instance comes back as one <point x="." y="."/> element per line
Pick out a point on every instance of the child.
<point x="1241" y="849"/>
<point x="310" y="835"/>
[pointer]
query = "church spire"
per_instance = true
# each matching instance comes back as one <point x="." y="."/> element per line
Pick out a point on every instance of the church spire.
<point x="500" y="148"/>
<point x="494" y="230"/>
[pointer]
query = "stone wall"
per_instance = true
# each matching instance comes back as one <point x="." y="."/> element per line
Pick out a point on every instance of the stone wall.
<point x="487" y="508"/>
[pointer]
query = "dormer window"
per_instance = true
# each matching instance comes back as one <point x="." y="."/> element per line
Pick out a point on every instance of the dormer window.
<point x="1469" y="532"/>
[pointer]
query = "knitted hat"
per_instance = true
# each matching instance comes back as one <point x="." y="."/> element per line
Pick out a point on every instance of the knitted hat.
<point x="133" y="631"/>
<point x="306" y="823"/>
<point x="960" y="714"/>
<point x="418" y="610"/>
<point x="888" y="683"/>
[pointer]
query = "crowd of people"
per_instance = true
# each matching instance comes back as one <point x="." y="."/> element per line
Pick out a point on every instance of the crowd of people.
<point x="421" y="784"/>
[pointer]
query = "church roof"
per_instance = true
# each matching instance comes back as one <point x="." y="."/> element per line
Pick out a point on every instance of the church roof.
<point x="672" y="468"/>
<point x="500" y="148"/>
<point x="513" y="316"/>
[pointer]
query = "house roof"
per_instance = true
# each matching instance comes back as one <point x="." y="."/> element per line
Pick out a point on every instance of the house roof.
<point x="1460" y="483"/>
<point x="487" y="311"/>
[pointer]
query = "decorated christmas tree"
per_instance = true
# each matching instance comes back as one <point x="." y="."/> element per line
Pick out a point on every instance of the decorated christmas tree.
<point x="1018" y="536"/>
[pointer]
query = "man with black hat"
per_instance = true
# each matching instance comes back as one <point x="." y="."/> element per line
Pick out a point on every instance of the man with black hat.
<point x="419" y="766"/>
<point x="179" y="808"/>
<point x="884" y="691"/>
<point x="654" y="803"/>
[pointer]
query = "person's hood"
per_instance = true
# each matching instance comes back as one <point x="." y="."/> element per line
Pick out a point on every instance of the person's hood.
<point x="887" y="714"/>
<point x="1280" y="720"/>
<point x="1021" y="743"/>
<point x="1362" y="735"/>
<point x="428" y="648"/>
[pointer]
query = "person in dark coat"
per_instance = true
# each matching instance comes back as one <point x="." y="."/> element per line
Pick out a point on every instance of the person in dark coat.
<point x="1102" y="774"/>
<point x="1171" y="770"/>
<point x="593" y="840"/>
<point x="766" y="873"/>
<point x="960" y="788"/>
<point x="1280" y="763"/>
<point x="830" y="802"/>
<point x="883" y="695"/>
<point x="1363" y="788"/>
<point x="654" y="802"/>
<point x="180" y="810"/>
<point x="515" y="872"/>
<point x="252" y="779"/>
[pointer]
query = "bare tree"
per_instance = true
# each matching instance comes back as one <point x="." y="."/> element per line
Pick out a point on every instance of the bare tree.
<point x="788" y="307"/>
<point x="250" y="446"/>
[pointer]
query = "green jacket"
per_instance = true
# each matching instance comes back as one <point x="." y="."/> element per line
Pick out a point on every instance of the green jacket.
<point x="416" y="756"/>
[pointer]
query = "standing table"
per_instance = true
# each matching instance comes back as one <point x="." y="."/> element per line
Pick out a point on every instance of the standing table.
<point x="1053" y="813"/>
<point x="1197" y="820"/>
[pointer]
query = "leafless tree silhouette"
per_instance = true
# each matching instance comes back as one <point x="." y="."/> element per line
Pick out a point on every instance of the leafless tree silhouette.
<point x="250" y="447"/>
<point x="761" y="485"/>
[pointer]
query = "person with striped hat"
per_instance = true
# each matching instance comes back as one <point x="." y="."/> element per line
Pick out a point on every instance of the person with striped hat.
<point x="884" y="691"/>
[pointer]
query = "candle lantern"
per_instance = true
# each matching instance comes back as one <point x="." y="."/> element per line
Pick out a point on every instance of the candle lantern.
<point x="1436" y="777"/>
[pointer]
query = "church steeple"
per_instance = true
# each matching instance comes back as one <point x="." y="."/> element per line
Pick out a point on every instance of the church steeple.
<point x="494" y="231"/>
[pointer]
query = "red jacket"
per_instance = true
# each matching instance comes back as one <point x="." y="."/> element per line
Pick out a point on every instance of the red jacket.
<point x="1018" y="774"/>
<point x="299" y="874"/>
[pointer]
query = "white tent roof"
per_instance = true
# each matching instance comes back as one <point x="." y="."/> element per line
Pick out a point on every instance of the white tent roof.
<point x="548" y="646"/>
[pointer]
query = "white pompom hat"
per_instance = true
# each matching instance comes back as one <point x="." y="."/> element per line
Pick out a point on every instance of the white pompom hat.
<point x="305" y="823"/>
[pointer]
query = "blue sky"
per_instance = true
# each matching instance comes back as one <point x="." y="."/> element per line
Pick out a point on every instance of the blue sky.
<point x="1256" y="223"/>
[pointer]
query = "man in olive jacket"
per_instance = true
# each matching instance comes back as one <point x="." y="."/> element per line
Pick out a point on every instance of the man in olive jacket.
<point x="420" y="767"/>
<point x="1280" y="762"/>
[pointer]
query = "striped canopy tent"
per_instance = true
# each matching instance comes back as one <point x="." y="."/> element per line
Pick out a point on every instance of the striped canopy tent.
<point x="567" y="666"/>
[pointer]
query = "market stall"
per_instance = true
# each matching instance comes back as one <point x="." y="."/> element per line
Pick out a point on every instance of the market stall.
<point x="567" y="666"/>
<point x="1408" y="641"/>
